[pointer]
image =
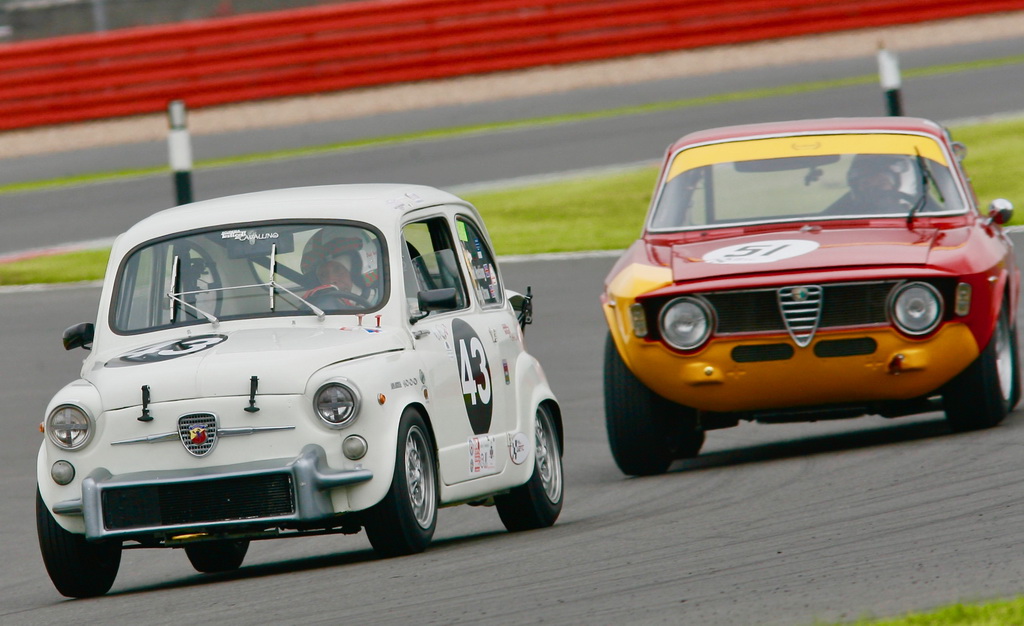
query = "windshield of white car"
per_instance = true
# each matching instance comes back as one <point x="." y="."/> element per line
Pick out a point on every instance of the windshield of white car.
<point x="839" y="186"/>
<point x="237" y="272"/>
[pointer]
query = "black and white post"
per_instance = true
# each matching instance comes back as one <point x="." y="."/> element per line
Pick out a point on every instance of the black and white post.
<point x="179" y="145"/>
<point x="889" y="76"/>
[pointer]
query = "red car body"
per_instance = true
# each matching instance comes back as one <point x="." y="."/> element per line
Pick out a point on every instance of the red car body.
<point x="808" y="270"/>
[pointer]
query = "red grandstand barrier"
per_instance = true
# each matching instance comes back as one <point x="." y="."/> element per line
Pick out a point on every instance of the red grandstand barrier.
<point x="373" y="42"/>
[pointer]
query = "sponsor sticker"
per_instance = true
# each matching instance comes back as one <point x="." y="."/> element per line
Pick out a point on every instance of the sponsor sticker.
<point x="481" y="456"/>
<point x="519" y="448"/>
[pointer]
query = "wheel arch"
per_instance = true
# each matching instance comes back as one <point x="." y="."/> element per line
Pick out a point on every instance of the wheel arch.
<point x="556" y="415"/>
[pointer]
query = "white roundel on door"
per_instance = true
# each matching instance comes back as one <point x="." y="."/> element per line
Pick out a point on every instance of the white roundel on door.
<point x="761" y="251"/>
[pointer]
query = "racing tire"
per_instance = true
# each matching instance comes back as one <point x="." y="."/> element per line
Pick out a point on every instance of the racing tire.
<point x="645" y="431"/>
<point x="404" y="521"/>
<point x="210" y="557"/>
<point x="78" y="568"/>
<point x="538" y="502"/>
<point x="984" y="393"/>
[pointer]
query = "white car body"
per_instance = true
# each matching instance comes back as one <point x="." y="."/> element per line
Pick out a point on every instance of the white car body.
<point x="252" y="378"/>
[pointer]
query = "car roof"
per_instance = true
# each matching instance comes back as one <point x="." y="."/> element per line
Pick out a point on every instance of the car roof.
<point x="809" y="127"/>
<point x="382" y="205"/>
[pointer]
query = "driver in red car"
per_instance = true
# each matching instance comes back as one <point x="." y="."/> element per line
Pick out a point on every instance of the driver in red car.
<point x="874" y="181"/>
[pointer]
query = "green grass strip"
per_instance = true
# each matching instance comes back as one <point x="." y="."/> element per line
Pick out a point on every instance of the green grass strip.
<point x="68" y="267"/>
<point x="462" y="131"/>
<point x="999" y="613"/>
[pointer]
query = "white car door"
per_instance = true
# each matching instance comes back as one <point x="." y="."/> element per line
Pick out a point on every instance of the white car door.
<point x="462" y="354"/>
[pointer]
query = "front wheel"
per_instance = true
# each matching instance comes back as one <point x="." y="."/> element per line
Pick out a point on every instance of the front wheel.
<point x="210" y="557"/>
<point x="983" y="394"/>
<point x="78" y="568"/>
<point x="538" y="502"/>
<point x="403" y="522"/>
<point x="645" y="431"/>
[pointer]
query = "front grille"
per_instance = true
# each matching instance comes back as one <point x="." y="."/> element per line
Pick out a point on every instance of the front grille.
<point x="846" y="304"/>
<point x="198" y="502"/>
<point x="801" y="310"/>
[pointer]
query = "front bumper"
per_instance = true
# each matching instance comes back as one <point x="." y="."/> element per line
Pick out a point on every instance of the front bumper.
<point x="714" y="380"/>
<point x="258" y="495"/>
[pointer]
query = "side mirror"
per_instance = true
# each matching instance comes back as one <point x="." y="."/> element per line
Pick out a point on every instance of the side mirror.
<point x="445" y="299"/>
<point x="959" y="150"/>
<point x="523" y="306"/>
<point x="79" y="336"/>
<point x="1000" y="211"/>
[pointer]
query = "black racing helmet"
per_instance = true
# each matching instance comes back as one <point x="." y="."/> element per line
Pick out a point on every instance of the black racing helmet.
<point x="869" y="165"/>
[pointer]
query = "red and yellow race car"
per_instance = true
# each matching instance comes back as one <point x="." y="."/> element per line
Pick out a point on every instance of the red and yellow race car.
<point x="803" y="271"/>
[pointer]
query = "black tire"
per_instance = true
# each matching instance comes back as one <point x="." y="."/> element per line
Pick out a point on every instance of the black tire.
<point x="538" y="502"/>
<point x="645" y="431"/>
<point x="984" y="393"/>
<point x="78" y="568"/>
<point x="210" y="557"/>
<point x="404" y="521"/>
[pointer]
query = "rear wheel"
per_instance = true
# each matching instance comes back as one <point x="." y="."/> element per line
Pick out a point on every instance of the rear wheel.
<point x="645" y="431"/>
<point x="210" y="557"/>
<point x="404" y="521"/>
<point x="78" y="568"/>
<point x="537" y="503"/>
<point x="982" y="395"/>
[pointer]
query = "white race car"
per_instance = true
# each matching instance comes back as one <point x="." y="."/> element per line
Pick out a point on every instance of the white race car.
<point x="292" y="362"/>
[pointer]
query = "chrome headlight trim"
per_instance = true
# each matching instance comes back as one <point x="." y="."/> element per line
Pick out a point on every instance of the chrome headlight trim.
<point x="686" y="322"/>
<point x="337" y="404"/>
<point x="69" y="427"/>
<point x="916" y="308"/>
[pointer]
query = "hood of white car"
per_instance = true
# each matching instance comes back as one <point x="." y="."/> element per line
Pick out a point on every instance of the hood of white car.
<point x="223" y="364"/>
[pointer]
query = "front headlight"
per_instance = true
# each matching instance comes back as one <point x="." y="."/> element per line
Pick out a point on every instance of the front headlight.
<point x="916" y="308"/>
<point x="685" y="323"/>
<point x="69" y="427"/>
<point x="337" y="404"/>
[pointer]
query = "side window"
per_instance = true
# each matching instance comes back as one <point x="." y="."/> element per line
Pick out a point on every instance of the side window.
<point x="484" y="272"/>
<point x="429" y="260"/>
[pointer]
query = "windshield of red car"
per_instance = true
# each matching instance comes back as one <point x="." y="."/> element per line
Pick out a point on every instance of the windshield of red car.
<point x="806" y="178"/>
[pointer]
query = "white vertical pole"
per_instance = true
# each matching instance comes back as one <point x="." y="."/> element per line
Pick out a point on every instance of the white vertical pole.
<point x="889" y="77"/>
<point x="179" y="146"/>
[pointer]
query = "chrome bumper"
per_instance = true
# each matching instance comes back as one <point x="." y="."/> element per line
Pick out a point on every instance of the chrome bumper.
<point x="258" y="494"/>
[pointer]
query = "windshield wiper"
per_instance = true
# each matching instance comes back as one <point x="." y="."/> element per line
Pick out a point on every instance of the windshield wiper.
<point x="175" y="296"/>
<point x="175" y="288"/>
<point x="320" y="315"/>
<point x="176" y="299"/>
<point x="274" y="286"/>
<point x="927" y="179"/>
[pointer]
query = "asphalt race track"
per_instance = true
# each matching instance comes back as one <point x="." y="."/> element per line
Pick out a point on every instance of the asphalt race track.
<point x="783" y="524"/>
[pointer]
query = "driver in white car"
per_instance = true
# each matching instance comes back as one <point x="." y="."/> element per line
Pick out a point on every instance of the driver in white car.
<point x="334" y="262"/>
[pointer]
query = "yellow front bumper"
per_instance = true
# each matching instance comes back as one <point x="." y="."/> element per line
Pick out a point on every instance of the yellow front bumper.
<point x="710" y="380"/>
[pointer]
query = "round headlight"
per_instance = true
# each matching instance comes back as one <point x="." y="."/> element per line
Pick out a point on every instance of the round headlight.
<point x="69" y="427"/>
<point x="336" y="404"/>
<point x="916" y="308"/>
<point x="685" y="323"/>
